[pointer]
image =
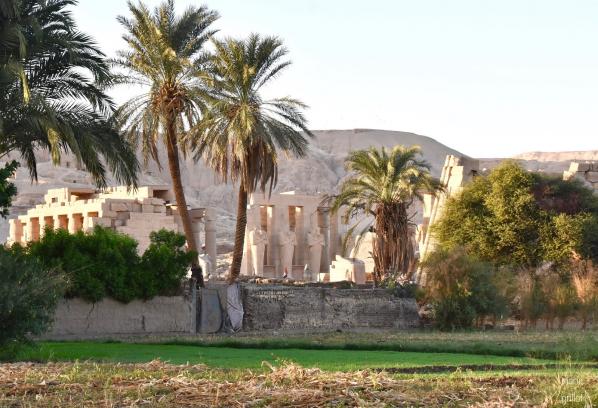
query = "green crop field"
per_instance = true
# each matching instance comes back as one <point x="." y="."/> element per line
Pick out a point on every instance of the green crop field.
<point x="339" y="369"/>
<point x="241" y="358"/>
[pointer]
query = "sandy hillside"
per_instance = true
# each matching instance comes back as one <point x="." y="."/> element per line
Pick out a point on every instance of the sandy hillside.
<point x="321" y="171"/>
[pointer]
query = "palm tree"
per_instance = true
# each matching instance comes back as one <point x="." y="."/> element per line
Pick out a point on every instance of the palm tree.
<point x="166" y="55"/>
<point x="384" y="183"/>
<point x="52" y="80"/>
<point x="241" y="132"/>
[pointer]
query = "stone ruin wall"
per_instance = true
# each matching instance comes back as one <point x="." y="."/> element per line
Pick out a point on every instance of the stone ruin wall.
<point x="266" y="307"/>
<point x="586" y="172"/>
<point x="316" y="308"/>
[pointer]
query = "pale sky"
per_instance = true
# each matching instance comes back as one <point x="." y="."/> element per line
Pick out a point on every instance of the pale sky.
<point x="488" y="78"/>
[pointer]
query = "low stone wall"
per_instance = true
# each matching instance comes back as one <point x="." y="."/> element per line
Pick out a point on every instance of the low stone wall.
<point x="76" y="318"/>
<point x="284" y="307"/>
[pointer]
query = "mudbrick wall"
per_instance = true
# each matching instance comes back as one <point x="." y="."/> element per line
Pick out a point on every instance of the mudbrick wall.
<point x="283" y="307"/>
<point x="76" y="318"/>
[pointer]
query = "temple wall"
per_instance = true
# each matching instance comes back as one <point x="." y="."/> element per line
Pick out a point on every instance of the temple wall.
<point x="78" y="319"/>
<point x="305" y="308"/>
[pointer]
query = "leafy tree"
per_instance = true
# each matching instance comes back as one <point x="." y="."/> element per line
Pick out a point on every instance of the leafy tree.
<point x="383" y="184"/>
<point x="52" y="79"/>
<point x="513" y="217"/>
<point x="164" y="263"/>
<point x="7" y="189"/>
<point x="241" y="132"/>
<point x="28" y="297"/>
<point x="166" y="54"/>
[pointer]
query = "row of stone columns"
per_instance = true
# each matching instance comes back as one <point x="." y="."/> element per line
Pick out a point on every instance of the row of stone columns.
<point x="279" y="219"/>
<point x="33" y="228"/>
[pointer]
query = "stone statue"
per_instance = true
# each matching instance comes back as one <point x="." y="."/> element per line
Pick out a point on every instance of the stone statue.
<point x="287" y="241"/>
<point x="258" y="239"/>
<point x="315" y="242"/>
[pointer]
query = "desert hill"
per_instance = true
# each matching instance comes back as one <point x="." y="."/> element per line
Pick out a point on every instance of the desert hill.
<point x="320" y="171"/>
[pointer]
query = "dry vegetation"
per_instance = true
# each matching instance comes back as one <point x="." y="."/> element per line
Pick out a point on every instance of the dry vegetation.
<point x="158" y="384"/>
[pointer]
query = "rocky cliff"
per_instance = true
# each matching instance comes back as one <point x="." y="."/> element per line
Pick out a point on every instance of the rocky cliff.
<point x="320" y="171"/>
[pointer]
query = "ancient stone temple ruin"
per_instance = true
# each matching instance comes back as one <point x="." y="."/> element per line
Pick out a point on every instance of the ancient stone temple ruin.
<point x="289" y="234"/>
<point x="135" y="213"/>
<point x="587" y="173"/>
<point x="456" y="172"/>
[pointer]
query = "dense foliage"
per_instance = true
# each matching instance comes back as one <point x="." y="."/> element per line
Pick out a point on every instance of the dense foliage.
<point x="516" y="218"/>
<point x="383" y="183"/>
<point x="52" y="92"/>
<point x="537" y="231"/>
<point x="164" y="263"/>
<point x="7" y="189"/>
<point x="28" y="296"/>
<point x="105" y="263"/>
<point x="463" y="290"/>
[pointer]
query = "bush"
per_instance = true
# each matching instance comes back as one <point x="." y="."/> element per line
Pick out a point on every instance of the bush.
<point x="463" y="290"/>
<point x="105" y="263"/>
<point x="28" y="296"/>
<point x="102" y="263"/>
<point x="164" y="263"/>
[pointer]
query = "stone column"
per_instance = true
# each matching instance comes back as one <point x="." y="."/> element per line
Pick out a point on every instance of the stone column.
<point x="325" y="229"/>
<point x="334" y="248"/>
<point x="252" y="222"/>
<point x="315" y="242"/>
<point x="257" y="240"/>
<point x="287" y="241"/>
<point x="72" y="223"/>
<point x="300" y="258"/>
<point x="45" y="222"/>
<point x="210" y="228"/>
<point x="272" y="239"/>
<point x="197" y="228"/>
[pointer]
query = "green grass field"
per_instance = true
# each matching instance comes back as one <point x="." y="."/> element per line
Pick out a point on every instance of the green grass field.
<point x="553" y="345"/>
<point x="335" y="369"/>
<point x="242" y="358"/>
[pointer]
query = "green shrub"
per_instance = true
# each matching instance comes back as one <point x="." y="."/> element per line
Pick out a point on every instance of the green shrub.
<point x="164" y="263"/>
<point x="28" y="296"/>
<point x="105" y="263"/>
<point x="99" y="264"/>
<point x="463" y="290"/>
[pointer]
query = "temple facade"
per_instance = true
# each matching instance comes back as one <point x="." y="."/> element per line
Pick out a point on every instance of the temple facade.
<point x="133" y="212"/>
<point x="290" y="235"/>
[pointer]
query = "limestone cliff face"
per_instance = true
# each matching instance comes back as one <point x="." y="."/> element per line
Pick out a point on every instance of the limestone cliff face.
<point x="321" y="171"/>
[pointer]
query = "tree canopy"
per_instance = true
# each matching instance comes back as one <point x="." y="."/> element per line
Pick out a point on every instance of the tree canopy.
<point x="514" y="217"/>
<point x="52" y="92"/>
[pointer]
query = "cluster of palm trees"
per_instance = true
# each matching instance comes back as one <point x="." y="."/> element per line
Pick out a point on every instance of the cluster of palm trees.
<point x="205" y="103"/>
<point x="203" y="98"/>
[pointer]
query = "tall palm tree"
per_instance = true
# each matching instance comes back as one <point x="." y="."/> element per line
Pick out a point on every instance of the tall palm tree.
<point x="52" y="80"/>
<point x="166" y="55"/>
<point x="241" y="132"/>
<point x="383" y="184"/>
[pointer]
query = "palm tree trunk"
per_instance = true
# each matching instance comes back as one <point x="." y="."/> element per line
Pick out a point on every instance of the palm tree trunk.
<point x="235" y="268"/>
<point x="177" y="185"/>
